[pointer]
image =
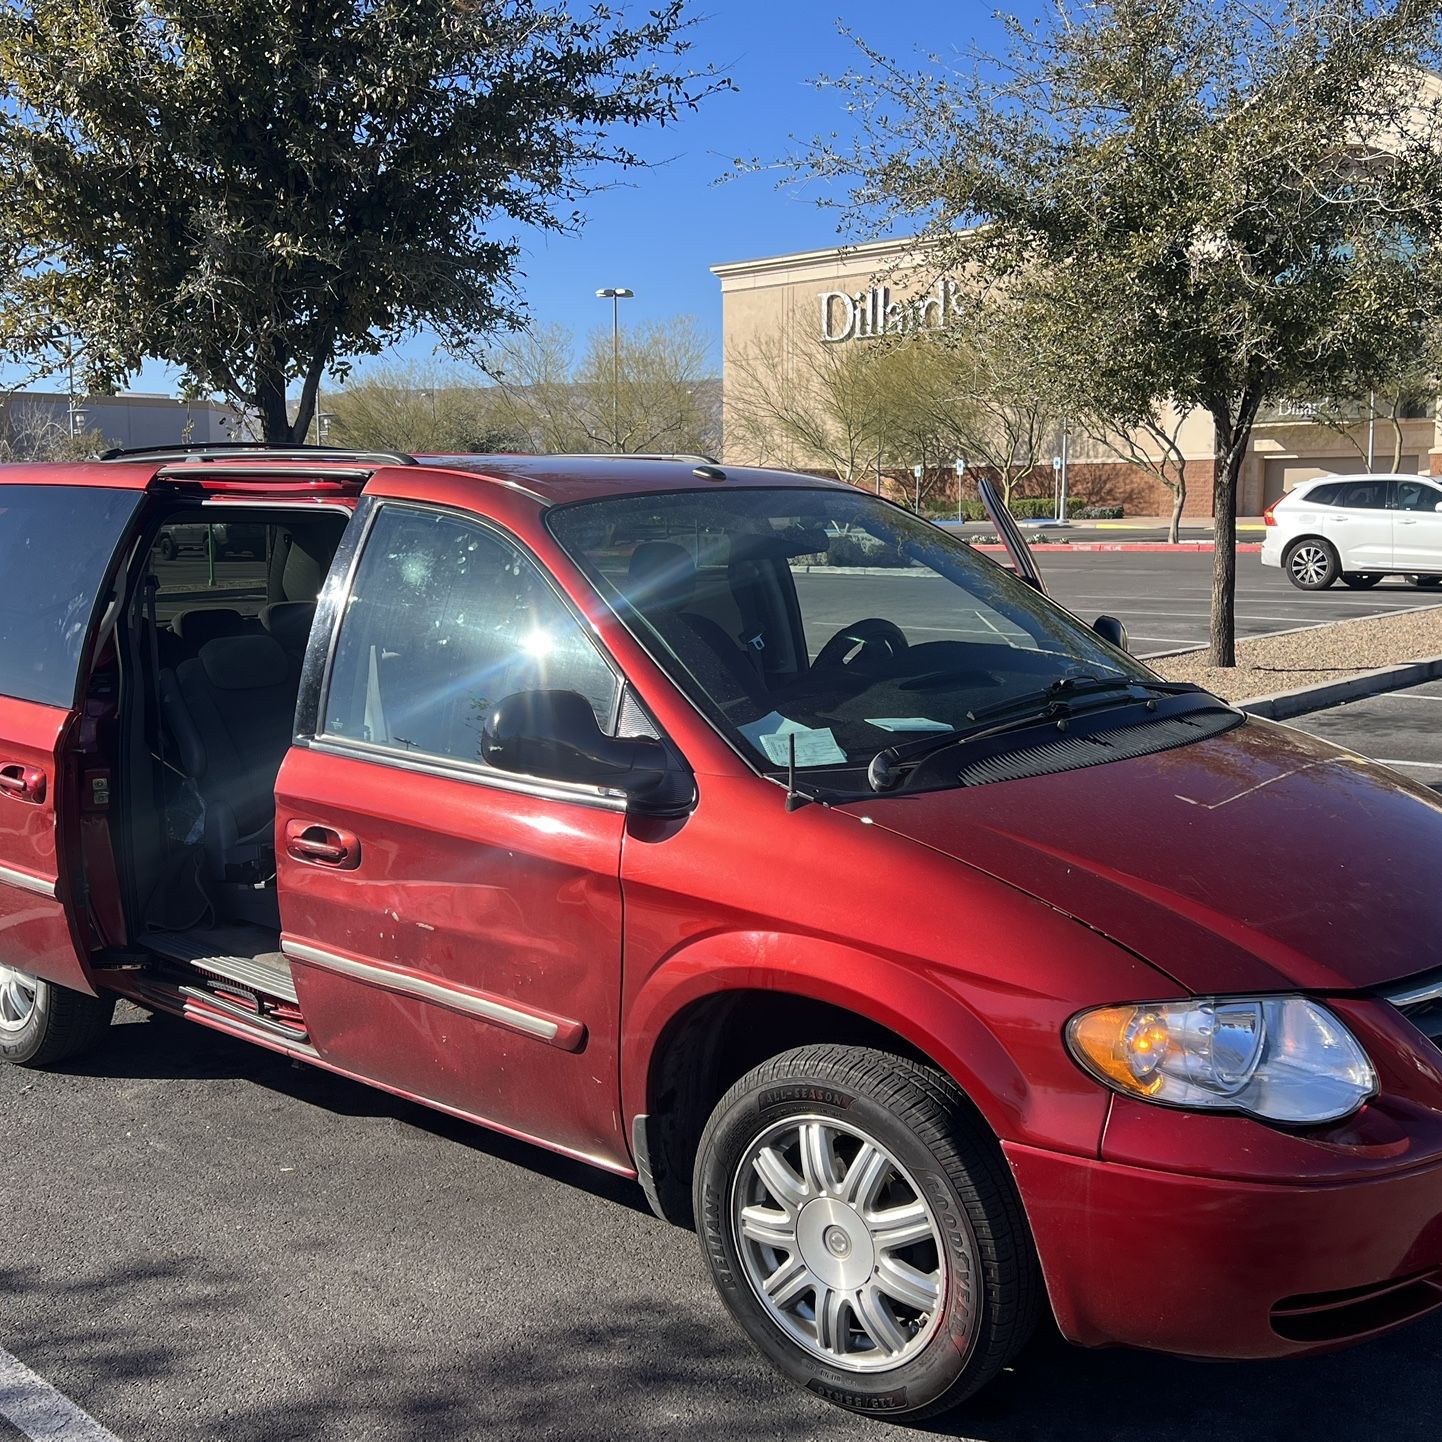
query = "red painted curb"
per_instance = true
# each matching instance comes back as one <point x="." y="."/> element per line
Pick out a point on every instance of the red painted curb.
<point x="1247" y="546"/>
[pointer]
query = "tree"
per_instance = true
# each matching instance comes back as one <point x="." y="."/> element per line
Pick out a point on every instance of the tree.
<point x="1225" y="201"/>
<point x="257" y="191"/>
<point x="807" y="404"/>
<point x="1150" y="440"/>
<point x="418" y="410"/>
<point x="29" y="431"/>
<point x="659" y="398"/>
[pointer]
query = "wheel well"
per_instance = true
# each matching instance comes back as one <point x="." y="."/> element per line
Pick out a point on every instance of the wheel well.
<point x="1299" y="540"/>
<point x="709" y="1046"/>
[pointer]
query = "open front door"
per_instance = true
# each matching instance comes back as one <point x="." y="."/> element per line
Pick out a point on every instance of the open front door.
<point x="58" y="544"/>
<point x="1010" y="534"/>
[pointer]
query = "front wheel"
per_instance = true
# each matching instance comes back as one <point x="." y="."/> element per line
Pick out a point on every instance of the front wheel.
<point x="1312" y="565"/>
<point x="861" y="1225"/>
<point x="41" y="1023"/>
<point x="1427" y="581"/>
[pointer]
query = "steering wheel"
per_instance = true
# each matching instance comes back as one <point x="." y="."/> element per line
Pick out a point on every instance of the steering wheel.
<point x="860" y="646"/>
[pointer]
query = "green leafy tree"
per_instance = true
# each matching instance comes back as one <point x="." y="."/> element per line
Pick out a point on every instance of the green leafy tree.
<point x="1218" y="202"/>
<point x="257" y="190"/>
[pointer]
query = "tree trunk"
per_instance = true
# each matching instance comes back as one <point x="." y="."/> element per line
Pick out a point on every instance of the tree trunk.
<point x="275" y="427"/>
<point x="1231" y="451"/>
<point x="1179" y="502"/>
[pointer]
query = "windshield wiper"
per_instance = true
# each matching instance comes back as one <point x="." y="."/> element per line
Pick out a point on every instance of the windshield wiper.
<point x="1054" y="702"/>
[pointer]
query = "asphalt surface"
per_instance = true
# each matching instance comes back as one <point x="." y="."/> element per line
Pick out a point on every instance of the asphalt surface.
<point x="203" y="1240"/>
<point x="1402" y="728"/>
<point x="1163" y="597"/>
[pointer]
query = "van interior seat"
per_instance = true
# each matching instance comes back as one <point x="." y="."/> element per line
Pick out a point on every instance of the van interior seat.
<point x="200" y="624"/>
<point x="661" y="582"/>
<point x="230" y="712"/>
<point x="290" y="623"/>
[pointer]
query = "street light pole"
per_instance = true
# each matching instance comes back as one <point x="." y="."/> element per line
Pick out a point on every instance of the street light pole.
<point x="615" y="294"/>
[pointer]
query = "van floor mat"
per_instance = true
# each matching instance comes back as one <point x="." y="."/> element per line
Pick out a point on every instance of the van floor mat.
<point x="244" y="954"/>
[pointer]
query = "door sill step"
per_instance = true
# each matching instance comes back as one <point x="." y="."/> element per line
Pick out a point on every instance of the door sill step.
<point x="267" y="972"/>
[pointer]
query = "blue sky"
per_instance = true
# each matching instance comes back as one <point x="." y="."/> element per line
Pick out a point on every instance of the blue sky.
<point x="660" y="231"/>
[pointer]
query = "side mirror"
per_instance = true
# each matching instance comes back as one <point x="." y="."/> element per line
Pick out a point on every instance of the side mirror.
<point x="554" y="735"/>
<point x="1438" y="506"/>
<point x="1110" y="629"/>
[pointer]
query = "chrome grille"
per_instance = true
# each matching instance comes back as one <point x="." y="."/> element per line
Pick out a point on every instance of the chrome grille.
<point x="1420" y="1001"/>
<point x="1072" y="753"/>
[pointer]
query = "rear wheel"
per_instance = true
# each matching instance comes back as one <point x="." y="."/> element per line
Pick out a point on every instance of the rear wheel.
<point x="1425" y="580"/>
<point x="1361" y="580"/>
<point x="861" y="1226"/>
<point x="41" y="1023"/>
<point x="1311" y="565"/>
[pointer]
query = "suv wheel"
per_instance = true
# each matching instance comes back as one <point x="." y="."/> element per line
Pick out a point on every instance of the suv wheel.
<point x="41" y="1023"/>
<point x="1425" y="580"/>
<point x="1311" y="565"/>
<point x="861" y="1225"/>
<point x="1361" y="580"/>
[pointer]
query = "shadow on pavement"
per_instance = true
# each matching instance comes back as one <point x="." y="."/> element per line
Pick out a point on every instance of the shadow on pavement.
<point x="652" y="1371"/>
<point x="159" y="1047"/>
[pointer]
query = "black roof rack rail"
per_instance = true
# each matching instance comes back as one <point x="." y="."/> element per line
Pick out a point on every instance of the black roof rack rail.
<point x="244" y="450"/>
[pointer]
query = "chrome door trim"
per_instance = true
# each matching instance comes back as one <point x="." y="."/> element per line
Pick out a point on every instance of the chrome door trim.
<point x="477" y="774"/>
<point x="25" y="881"/>
<point x="567" y="1035"/>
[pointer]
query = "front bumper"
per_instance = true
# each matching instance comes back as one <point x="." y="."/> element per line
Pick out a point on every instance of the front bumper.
<point x="1209" y="1267"/>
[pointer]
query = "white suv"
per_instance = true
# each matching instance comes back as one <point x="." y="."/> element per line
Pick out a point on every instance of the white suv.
<point x="1356" y="529"/>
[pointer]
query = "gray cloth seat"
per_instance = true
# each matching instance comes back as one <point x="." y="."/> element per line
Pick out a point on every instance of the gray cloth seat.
<point x="661" y="583"/>
<point x="230" y="712"/>
<point x="290" y="623"/>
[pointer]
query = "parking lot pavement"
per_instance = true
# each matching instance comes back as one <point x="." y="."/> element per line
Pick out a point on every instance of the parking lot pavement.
<point x="1163" y="597"/>
<point x="204" y="1241"/>
<point x="1401" y="728"/>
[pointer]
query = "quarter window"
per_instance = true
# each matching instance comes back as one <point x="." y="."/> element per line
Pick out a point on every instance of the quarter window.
<point x="446" y="618"/>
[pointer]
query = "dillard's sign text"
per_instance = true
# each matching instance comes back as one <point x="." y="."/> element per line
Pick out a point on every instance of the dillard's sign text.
<point x="866" y="314"/>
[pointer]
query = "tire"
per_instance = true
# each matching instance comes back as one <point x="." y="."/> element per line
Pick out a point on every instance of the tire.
<point x="41" y="1023"/>
<point x="1425" y="580"/>
<point x="957" y="1228"/>
<point x="165" y="548"/>
<point x="1361" y="580"/>
<point x="1311" y="564"/>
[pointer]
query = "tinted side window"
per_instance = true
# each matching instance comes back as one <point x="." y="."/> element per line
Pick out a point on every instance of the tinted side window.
<point x="1416" y="496"/>
<point x="1321" y="496"/>
<point x="56" y="544"/>
<point x="1364" y="495"/>
<point x="446" y="618"/>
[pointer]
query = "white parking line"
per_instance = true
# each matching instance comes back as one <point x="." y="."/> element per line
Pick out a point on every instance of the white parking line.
<point x="30" y="1403"/>
<point x="1402" y="696"/>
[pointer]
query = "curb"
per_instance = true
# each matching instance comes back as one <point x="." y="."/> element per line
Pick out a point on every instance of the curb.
<point x="1285" y="704"/>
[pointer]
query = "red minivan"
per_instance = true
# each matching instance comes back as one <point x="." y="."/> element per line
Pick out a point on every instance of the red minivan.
<point x="739" y="832"/>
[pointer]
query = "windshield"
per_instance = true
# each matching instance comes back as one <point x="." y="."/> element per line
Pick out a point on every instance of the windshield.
<point x="825" y="619"/>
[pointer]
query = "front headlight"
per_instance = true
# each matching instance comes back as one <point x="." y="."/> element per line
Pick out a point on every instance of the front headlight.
<point x="1283" y="1058"/>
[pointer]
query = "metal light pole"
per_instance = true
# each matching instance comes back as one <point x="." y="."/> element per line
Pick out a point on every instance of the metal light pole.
<point x="959" y="465"/>
<point x="615" y="294"/>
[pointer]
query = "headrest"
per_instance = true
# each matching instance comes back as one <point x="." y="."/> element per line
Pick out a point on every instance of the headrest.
<point x="206" y="623"/>
<point x="245" y="663"/>
<point x="661" y="576"/>
<point x="289" y="622"/>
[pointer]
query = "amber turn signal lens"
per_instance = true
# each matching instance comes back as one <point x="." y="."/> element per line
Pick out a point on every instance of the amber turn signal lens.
<point x="1124" y="1045"/>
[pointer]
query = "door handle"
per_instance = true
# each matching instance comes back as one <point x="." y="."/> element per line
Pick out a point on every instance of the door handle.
<point x="318" y="845"/>
<point x="24" y="783"/>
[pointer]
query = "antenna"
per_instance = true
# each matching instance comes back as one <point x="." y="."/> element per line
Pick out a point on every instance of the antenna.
<point x="794" y="799"/>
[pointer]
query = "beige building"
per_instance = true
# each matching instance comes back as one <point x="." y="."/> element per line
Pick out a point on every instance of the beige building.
<point x="802" y="305"/>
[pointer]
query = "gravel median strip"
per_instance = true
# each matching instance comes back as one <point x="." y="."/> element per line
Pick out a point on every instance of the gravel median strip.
<point x="1314" y="657"/>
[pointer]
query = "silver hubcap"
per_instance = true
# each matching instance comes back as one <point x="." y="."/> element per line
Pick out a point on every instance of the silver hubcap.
<point x="17" y="998"/>
<point x="1309" y="564"/>
<point x="839" y="1244"/>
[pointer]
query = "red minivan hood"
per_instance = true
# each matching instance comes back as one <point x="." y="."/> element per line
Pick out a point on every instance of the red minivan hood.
<point x="1262" y="859"/>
